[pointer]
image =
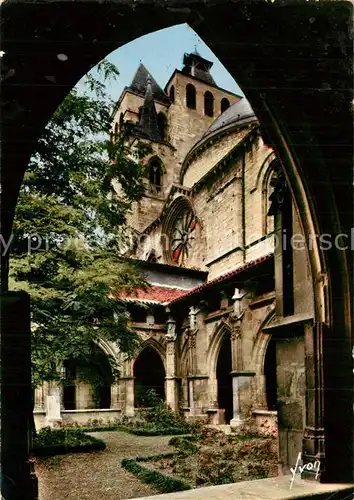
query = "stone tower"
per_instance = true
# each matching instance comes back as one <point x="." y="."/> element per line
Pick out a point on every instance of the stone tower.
<point x="171" y="121"/>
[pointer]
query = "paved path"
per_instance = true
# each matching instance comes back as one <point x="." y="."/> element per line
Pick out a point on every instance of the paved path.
<point x="98" y="475"/>
<point x="275" y="488"/>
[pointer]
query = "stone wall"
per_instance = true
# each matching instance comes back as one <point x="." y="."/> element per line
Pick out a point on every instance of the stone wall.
<point x="129" y="105"/>
<point x="210" y="154"/>
<point x="186" y="126"/>
<point x="230" y="209"/>
<point x="80" y="417"/>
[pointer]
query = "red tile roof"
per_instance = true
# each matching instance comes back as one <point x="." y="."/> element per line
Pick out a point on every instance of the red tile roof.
<point x="154" y="294"/>
<point x="164" y="295"/>
<point x="223" y="277"/>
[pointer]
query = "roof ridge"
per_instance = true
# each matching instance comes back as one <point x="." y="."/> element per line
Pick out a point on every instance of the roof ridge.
<point x="222" y="277"/>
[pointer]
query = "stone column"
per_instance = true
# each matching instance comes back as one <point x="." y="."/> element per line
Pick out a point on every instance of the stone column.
<point x="171" y="378"/>
<point x="39" y="398"/>
<point x="241" y="386"/>
<point x="236" y="352"/>
<point x="53" y="405"/>
<point x="129" y="396"/>
<point x="171" y="385"/>
<point x="18" y="481"/>
<point x="314" y="439"/>
<point x="115" y="396"/>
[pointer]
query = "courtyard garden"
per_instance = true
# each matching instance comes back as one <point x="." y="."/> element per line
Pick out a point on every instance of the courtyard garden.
<point x="207" y="458"/>
<point x="157" y="452"/>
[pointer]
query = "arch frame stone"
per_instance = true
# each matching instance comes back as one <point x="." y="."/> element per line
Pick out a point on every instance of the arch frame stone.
<point x="317" y="159"/>
<point x="154" y="344"/>
<point x="215" y="343"/>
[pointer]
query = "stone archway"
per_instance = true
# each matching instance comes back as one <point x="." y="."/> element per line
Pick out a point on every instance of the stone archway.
<point x="224" y="378"/>
<point x="149" y="373"/>
<point x="94" y="392"/>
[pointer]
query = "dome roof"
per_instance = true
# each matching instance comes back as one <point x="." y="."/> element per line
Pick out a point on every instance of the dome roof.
<point x="240" y="112"/>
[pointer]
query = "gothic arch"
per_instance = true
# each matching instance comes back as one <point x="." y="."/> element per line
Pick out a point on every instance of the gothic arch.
<point x="324" y="204"/>
<point x="184" y="363"/>
<point x="264" y="168"/>
<point x="108" y="349"/>
<point x="215" y="345"/>
<point x="261" y="343"/>
<point x="154" y="344"/>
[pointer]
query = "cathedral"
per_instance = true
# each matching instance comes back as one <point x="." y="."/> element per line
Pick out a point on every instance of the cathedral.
<point x="224" y="322"/>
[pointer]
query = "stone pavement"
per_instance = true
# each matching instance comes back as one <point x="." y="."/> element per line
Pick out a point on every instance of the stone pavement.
<point x="276" y="488"/>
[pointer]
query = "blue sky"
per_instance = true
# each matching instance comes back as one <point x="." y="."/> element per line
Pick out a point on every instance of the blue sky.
<point x="162" y="52"/>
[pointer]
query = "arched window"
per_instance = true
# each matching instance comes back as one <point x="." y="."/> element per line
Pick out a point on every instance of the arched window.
<point x="140" y="110"/>
<point x="121" y="119"/>
<point x="161" y="124"/>
<point x="152" y="257"/>
<point x="225" y="103"/>
<point x="191" y="96"/>
<point x="116" y="129"/>
<point x="208" y="103"/>
<point x="172" y="94"/>
<point x="155" y="176"/>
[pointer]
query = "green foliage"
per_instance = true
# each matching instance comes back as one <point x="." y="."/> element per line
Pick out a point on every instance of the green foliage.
<point x="163" y="483"/>
<point x="59" y="441"/>
<point x="158" y="419"/>
<point x="95" y="425"/>
<point x="211" y="457"/>
<point x="207" y="458"/>
<point x="68" y="230"/>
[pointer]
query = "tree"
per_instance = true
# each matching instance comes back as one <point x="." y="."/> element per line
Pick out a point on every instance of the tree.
<point x="68" y="230"/>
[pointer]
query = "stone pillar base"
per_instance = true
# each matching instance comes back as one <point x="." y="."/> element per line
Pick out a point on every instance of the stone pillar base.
<point x="236" y="422"/>
<point x="216" y="416"/>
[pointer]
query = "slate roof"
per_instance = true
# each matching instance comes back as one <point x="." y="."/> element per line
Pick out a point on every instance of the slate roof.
<point x="140" y="81"/>
<point x="189" y="68"/>
<point x="148" y="121"/>
<point x="240" y="112"/>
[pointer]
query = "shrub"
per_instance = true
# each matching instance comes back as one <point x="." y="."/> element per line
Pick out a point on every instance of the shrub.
<point x="59" y="441"/>
<point x="222" y="459"/>
<point x="158" y="419"/>
<point x="161" y="482"/>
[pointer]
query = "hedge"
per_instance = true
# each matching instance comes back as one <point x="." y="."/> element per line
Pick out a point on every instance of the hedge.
<point x="138" y="431"/>
<point x="61" y="441"/>
<point x="162" y="482"/>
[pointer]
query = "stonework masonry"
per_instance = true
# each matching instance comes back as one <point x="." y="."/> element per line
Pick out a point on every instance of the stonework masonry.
<point x="215" y="343"/>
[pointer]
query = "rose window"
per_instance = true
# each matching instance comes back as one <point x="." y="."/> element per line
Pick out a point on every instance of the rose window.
<point x="183" y="237"/>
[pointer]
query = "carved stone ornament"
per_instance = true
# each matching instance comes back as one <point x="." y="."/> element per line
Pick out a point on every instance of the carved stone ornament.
<point x="238" y="305"/>
<point x="171" y="329"/>
<point x="236" y="332"/>
<point x="193" y="311"/>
